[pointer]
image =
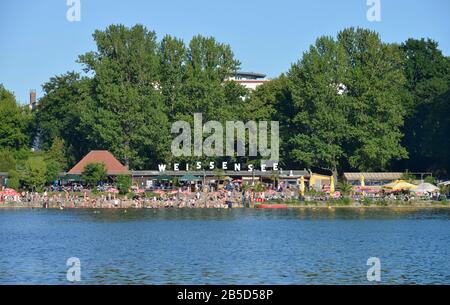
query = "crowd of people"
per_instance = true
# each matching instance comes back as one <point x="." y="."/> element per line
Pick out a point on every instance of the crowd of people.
<point x="230" y="195"/>
<point x="187" y="196"/>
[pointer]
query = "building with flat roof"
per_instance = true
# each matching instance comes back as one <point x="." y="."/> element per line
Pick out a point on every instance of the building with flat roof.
<point x="250" y="80"/>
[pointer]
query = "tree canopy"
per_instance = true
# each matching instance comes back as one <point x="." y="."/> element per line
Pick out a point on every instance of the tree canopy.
<point x="14" y="122"/>
<point x="94" y="173"/>
<point x="427" y="123"/>
<point x="342" y="103"/>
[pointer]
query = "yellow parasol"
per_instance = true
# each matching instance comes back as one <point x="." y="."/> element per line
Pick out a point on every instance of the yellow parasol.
<point x="302" y="186"/>
<point x="363" y="184"/>
<point x="331" y="185"/>
<point x="399" y="185"/>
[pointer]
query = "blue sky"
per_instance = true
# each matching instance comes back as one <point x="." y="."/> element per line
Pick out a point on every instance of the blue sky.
<point x="37" y="41"/>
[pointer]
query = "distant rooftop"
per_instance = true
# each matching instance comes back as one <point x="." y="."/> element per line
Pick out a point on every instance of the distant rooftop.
<point x="249" y="75"/>
<point x="113" y="166"/>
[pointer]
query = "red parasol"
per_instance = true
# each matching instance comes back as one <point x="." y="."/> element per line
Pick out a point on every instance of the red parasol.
<point x="160" y="192"/>
<point x="113" y="190"/>
<point x="9" y="192"/>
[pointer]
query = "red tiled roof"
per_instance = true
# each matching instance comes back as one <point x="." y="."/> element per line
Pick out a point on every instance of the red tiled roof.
<point x="113" y="166"/>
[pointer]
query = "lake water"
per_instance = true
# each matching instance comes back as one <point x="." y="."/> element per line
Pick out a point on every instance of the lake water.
<point x="240" y="246"/>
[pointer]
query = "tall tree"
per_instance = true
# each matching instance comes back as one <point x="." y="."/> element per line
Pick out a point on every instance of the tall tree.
<point x="34" y="175"/>
<point x="126" y="114"/>
<point x="7" y="161"/>
<point x="58" y="115"/>
<point x="272" y="101"/>
<point x="194" y="78"/>
<point x="346" y="103"/>
<point x="208" y="65"/>
<point x="15" y="122"/>
<point x="93" y="173"/>
<point x="172" y="64"/>
<point x="426" y="127"/>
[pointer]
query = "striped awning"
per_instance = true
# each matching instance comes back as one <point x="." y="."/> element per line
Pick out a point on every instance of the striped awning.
<point x="372" y="176"/>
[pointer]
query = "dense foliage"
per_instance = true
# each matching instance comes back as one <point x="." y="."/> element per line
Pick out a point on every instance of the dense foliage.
<point x="351" y="102"/>
<point x="123" y="183"/>
<point x="93" y="173"/>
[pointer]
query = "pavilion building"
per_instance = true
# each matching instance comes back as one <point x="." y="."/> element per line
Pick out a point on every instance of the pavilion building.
<point x="113" y="166"/>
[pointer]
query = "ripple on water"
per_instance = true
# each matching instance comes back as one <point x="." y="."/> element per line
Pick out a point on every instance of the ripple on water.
<point x="241" y="246"/>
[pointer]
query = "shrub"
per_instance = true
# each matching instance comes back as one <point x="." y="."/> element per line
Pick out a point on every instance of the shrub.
<point x="123" y="183"/>
<point x="430" y="179"/>
<point x="13" y="180"/>
<point x="93" y="173"/>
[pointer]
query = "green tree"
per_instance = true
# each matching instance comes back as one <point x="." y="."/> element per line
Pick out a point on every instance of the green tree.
<point x="347" y="103"/>
<point x="172" y="74"/>
<point x="34" y="175"/>
<point x="59" y="113"/>
<point x="138" y="86"/>
<point x="345" y="187"/>
<point x="7" y="161"/>
<point x="126" y="114"/>
<point x="94" y="173"/>
<point x="407" y="176"/>
<point x="258" y="187"/>
<point x="13" y="180"/>
<point x="55" y="159"/>
<point x="273" y="101"/>
<point x="193" y="79"/>
<point x="430" y="179"/>
<point x="123" y="183"/>
<point x="427" y="124"/>
<point x="15" y="122"/>
<point x="53" y="170"/>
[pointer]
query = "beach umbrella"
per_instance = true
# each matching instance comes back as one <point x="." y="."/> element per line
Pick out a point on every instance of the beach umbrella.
<point x="159" y="192"/>
<point x="112" y="190"/>
<point x="332" y="185"/>
<point x="71" y="178"/>
<point x="367" y="189"/>
<point x="189" y="177"/>
<point x="270" y="192"/>
<point x="163" y="177"/>
<point x="302" y="186"/>
<point x="363" y="184"/>
<point x="9" y="192"/>
<point x="399" y="185"/>
<point x="425" y="188"/>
